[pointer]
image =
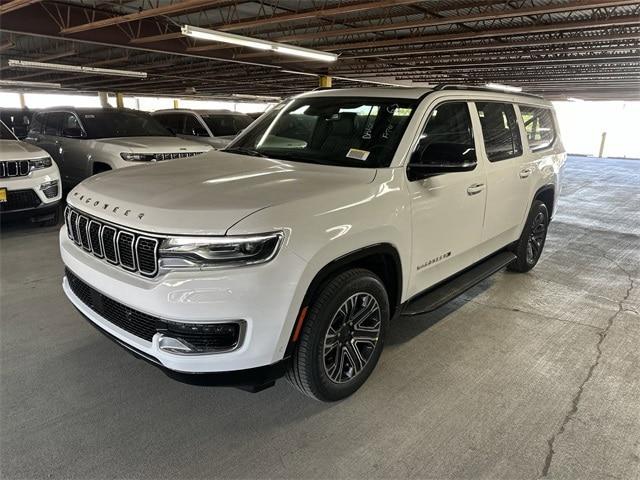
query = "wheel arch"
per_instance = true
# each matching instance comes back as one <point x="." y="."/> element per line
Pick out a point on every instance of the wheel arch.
<point x="383" y="259"/>
<point x="99" y="167"/>
<point x="546" y="194"/>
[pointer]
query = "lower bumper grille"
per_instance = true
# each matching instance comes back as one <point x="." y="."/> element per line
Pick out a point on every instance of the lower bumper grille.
<point x="212" y="337"/>
<point x="20" y="200"/>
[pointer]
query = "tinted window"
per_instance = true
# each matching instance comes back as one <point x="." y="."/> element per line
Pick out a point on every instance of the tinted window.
<point x="500" y="130"/>
<point x="173" y="121"/>
<point x="53" y="123"/>
<point x="5" y="133"/>
<point x="538" y="123"/>
<point x="193" y="127"/>
<point x="225" y="125"/>
<point x="36" y="123"/>
<point x="448" y="136"/>
<point x="343" y="131"/>
<point x="17" y="121"/>
<point x="121" y="123"/>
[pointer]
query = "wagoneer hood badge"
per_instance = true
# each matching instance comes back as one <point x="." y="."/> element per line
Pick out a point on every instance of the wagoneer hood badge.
<point x="101" y="205"/>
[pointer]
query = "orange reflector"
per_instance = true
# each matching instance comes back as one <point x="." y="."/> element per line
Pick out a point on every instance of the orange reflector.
<point x="296" y="333"/>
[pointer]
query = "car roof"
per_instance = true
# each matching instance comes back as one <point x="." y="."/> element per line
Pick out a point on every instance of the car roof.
<point x="201" y="112"/>
<point x="88" y="110"/>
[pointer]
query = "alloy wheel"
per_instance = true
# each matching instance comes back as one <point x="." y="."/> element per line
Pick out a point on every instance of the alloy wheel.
<point x="536" y="238"/>
<point x="352" y="337"/>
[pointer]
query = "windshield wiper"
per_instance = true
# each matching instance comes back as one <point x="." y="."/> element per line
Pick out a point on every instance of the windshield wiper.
<point x="245" y="151"/>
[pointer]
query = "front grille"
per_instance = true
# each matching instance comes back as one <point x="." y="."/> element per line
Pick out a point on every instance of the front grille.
<point x="14" y="168"/>
<point x="201" y="337"/>
<point x="170" y="156"/>
<point x="130" y="250"/>
<point x="20" y="200"/>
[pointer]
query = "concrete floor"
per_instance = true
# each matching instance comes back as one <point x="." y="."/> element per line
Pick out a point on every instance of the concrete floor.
<point x="527" y="376"/>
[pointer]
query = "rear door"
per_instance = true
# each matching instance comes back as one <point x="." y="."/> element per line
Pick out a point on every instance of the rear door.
<point x="508" y="174"/>
<point x="72" y="148"/>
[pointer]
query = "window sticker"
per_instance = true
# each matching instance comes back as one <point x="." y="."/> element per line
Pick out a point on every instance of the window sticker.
<point x="358" y="154"/>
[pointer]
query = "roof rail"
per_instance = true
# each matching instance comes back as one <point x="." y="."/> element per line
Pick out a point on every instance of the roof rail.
<point x="446" y="86"/>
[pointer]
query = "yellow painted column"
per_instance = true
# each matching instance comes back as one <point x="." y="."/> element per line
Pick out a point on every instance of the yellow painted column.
<point x="176" y="103"/>
<point x="324" y="81"/>
<point x="119" y="100"/>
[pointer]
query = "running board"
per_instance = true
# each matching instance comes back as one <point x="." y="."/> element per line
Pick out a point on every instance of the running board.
<point x="450" y="289"/>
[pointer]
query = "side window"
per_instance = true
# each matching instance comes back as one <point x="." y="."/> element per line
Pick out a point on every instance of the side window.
<point x="500" y="130"/>
<point x="193" y="127"/>
<point x="53" y="123"/>
<point x="538" y="123"/>
<point x="447" y="136"/>
<point x="36" y="123"/>
<point x="70" y="126"/>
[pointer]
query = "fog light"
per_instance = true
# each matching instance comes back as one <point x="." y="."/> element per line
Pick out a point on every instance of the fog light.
<point x="50" y="189"/>
<point x="173" y="345"/>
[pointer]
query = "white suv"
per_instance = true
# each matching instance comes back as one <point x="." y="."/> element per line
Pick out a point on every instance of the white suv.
<point x="289" y="252"/>
<point x="29" y="181"/>
<point x="86" y="141"/>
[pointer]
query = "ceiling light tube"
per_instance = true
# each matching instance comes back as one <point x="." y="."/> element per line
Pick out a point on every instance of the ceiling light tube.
<point x="505" y="88"/>
<point x="20" y="83"/>
<point x="75" y="68"/>
<point x="233" y="39"/>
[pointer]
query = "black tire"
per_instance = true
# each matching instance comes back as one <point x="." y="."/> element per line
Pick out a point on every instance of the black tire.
<point x="531" y="243"/>
<point x="340" y="302"/>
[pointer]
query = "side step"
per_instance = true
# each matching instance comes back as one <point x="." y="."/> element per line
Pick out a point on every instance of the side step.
<point x="451" y="288"/>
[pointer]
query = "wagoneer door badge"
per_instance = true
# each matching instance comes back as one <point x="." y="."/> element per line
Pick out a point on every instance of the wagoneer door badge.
<point x="105" y="206"/>
<point x="434" y="260"/>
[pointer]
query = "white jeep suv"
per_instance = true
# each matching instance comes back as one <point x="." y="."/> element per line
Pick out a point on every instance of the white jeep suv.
<point x="289" y="252"/>
<point x="29" y="181"/>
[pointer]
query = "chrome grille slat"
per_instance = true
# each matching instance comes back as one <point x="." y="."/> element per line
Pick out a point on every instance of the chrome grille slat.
<point x="14" y="168"/>
<point x="131" y="250"/>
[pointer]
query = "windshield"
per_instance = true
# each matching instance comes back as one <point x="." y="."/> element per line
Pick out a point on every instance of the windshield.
<point x="120" y="123"/>
<point x="225" y="125"/>
<point x="5" y="133"/>
<point x="343" y="131"/>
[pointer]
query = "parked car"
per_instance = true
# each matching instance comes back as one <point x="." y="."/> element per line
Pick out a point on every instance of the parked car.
<point x="329" y="216"/>
<point x="84" y="142"/>
<point x="29" y="181"/>
<point x="17" y="120"/>
<point x="213" y="127"/>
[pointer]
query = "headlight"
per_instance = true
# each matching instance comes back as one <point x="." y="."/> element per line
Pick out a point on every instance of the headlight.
<point x="232" y="251"/>
<point x="40" y="163"/>
<point x="138" y="157"/>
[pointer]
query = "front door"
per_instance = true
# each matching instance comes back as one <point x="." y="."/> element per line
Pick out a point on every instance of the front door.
<point x="447" y="209"/>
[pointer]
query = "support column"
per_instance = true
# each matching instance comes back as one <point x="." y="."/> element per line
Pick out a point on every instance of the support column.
<point x="119" y="100"/>
<point x="23" y="104"/>
<point x="104" y="99"/>
<point x="324" y="81"/>
<point x="176" y="103"/>
<point x="604" y="138"/>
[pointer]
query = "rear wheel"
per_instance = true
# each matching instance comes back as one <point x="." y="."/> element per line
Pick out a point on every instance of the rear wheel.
<point x="529" y="247"/>
<point x="342" y="337"/>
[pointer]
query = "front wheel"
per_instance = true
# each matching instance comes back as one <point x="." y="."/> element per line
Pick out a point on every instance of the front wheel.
<point x="529" y="247"/>
<point x="342" y="336"/>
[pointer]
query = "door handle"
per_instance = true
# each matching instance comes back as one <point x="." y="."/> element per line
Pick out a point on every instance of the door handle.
<point x="526" y="172"/>
<point x="475" y="188"/>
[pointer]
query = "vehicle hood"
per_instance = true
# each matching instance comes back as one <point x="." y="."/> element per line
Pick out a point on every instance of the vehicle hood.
<point x="155" y="144"/>
<point x="206" y="194"/>
<point x="17" y="150"/>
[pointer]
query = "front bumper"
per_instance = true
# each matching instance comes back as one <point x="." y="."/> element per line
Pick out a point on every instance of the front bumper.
<point x="262" y="296"/>
<point x="33" y="182"/>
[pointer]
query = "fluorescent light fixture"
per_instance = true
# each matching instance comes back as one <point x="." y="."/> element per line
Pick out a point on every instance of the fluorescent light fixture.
<point x="505" y="88"/>
<point x="264" y="98"/>
<point x="75" y="68"/>
<point x="20" y="83"/>
<point x="574" y="99"/>
<point x="233" y="39"/>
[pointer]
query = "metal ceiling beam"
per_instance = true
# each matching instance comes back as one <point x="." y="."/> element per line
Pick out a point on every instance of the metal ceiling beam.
<point x="571" y="6"/>
<point x="15" y="5"/>
<point x="626" y="20"/>
<point x="171" y="9"/>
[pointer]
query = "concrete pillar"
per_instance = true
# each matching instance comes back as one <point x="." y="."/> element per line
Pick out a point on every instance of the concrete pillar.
<point x="604" y="138"/>
<point x="23" y="104"/>
<point x="176" y="103"/>
<point x="104" y="99"/>
<point x="324" y="81"/>
<point x="119" y="100"/>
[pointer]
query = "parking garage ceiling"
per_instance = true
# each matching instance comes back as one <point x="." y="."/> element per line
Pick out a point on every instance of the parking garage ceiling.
<point x="562" y="48"/>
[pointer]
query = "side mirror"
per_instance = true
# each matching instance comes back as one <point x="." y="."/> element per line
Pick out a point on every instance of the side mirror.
<point x="439" y="158"/>
<point x="74" y="132"/>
